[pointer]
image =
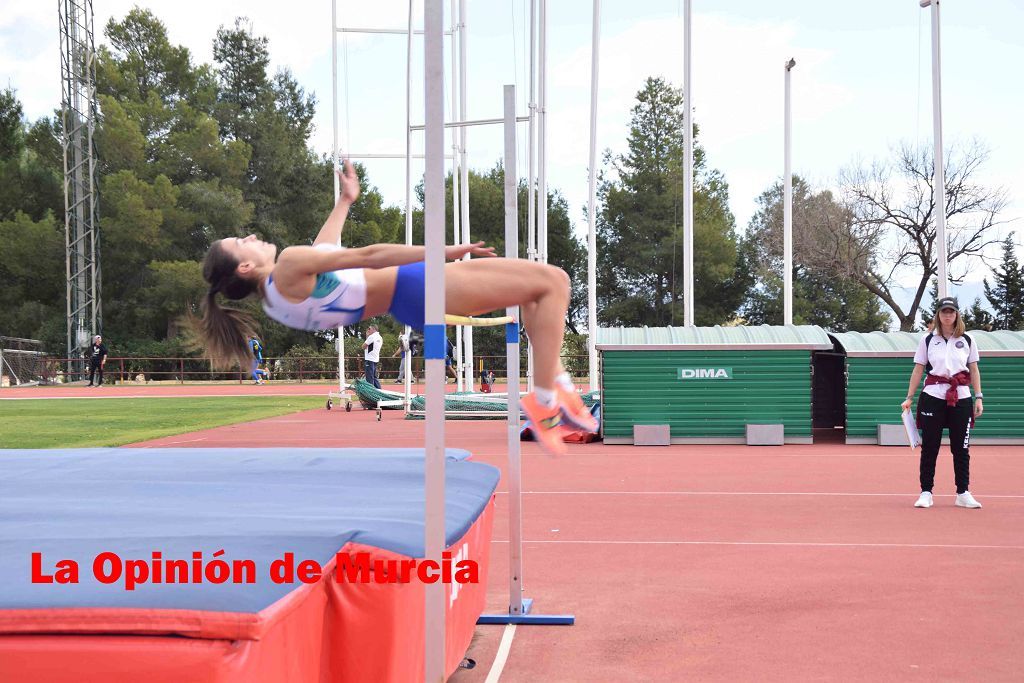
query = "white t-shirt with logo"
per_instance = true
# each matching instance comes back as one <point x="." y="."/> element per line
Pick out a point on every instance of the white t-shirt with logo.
<point x="947" y="358"/>
<point x="373" y="344"/>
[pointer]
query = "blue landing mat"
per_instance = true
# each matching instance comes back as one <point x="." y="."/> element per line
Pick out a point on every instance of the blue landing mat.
<point x="253" y="503"/>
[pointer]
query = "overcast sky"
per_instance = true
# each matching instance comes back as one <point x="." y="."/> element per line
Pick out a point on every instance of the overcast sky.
<point x="861" y="85"/>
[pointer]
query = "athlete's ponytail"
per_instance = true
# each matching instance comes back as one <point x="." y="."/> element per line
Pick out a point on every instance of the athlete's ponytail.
<point x="225" y="331"/>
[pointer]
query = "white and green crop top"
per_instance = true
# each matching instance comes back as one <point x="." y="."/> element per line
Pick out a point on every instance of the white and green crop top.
<point x="338" y="298"/>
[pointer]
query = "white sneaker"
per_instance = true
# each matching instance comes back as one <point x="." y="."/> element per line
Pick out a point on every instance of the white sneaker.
<point x="966" y="500"/>
<point x="924" y="500"/>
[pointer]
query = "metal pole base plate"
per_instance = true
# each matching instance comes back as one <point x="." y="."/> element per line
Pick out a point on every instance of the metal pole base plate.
<point x="527" y="618"/>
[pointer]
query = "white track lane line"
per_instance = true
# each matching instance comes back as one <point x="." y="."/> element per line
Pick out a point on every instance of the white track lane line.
<point x="494" y="675"/>
<point x="738" y="493"/>
<point x="794" y="544"/>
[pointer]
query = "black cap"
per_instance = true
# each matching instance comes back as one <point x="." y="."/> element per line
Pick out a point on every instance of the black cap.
<point x="947" y="302"/>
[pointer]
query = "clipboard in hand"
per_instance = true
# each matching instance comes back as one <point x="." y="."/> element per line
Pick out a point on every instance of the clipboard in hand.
<point x="910" y="424"/>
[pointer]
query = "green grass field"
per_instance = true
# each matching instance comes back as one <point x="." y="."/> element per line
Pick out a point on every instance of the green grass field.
<point x="84" y="423"/>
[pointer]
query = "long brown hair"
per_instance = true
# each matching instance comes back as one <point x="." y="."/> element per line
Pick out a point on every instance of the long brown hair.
<point x="225" y="331"/>
<point x="959" y="329"/>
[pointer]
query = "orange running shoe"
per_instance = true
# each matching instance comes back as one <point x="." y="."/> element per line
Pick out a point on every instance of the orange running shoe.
<point x="575" y="412"/>
<point x="546" y="424"/>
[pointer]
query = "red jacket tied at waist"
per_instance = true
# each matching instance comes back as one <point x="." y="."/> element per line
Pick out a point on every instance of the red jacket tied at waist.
<point x="960" y="379"/>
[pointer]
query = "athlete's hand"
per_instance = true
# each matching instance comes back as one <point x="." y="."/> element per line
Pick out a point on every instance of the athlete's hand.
<point x="978" y="409"/>
<point x="348" y="183"/>
<point x="906" y="404"/>
<point x="455" y="252"/>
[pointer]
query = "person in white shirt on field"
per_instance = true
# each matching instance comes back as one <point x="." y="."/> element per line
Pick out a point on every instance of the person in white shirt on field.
<point x="950" y="359"/>
<point x="371" y="354"/>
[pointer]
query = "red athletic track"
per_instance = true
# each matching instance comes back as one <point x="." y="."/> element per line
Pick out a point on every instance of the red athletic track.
<point x="707" y="563"/>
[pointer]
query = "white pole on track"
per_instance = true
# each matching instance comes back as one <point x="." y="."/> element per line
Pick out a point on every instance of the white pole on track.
<point x="334" y="165"/>
<point x="434" y="335"/>
<point x="407" y="359"/>
<point x="688" y="165"/>
<point x="519" y="608"/>
<point x="515" y="546"/>
<point x="459" y="361"/>
<point x="464" y="170"/>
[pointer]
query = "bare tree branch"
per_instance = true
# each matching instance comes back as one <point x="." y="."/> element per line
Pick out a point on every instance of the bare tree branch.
<point x="891" y="211"/>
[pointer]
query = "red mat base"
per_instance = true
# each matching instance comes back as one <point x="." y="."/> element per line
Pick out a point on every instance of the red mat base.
<point x="329" y="631"/>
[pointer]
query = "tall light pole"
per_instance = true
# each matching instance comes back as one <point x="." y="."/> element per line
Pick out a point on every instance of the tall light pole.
<point x="939" y="180"/>
<point x="687" y="168"/>
<point x="595" y="51"/>
<point x="787" y="220"/>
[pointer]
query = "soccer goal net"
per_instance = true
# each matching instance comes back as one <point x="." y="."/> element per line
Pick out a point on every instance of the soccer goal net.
<point x="22" y="362"/>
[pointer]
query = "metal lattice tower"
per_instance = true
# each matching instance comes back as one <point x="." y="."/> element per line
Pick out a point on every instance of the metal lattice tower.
<point x="81" y="213"/>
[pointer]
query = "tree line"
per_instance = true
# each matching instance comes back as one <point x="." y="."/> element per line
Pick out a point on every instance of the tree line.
<point x="191" y="152"/>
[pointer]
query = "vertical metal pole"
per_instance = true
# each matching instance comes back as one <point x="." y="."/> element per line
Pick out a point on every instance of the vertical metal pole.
<point x="515" y="517"/>
<point x="542" y="153"/>
<point x="334" y="165"/>
<point x="787" y="220"/>
<point x="939" y="181"/>
<point x="464" y="170"/>
<point x="66" y="125"/>
<point x="595" y="44"/>
<point x="531" y="173"/>
<point x="540" y="203"/>
<point x="94" y="243"/>
<point x="456" y="202"/>
<point x="531" y="214"/>
<point x="408" y="189"/>
<point x="81" y="214"/>
<point x="688" y="318"/>
<point x="434" y="333"/>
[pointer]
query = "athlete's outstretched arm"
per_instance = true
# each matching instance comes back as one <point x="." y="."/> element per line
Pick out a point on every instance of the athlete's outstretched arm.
<point x="304" y="261"/>
<point x="348" y="181"/>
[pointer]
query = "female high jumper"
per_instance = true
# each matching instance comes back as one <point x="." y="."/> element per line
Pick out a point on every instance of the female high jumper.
<point x="324" y="286"/>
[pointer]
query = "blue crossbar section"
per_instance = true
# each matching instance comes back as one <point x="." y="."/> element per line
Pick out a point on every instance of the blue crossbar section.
<point x="512" y="333"/>
<point x="434" y="342"/>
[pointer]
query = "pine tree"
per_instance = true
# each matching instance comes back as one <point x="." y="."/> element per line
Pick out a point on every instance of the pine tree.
<point x="1006" y="294"/>
<point x="978" y="318"/>
<point x="640" y="225"/>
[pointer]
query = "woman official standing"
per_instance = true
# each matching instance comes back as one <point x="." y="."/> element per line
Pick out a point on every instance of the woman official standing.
<point x="950" y="358"/>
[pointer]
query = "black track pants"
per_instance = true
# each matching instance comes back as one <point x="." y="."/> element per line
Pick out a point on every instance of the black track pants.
<point x="935" y="416"/>
<point x="93" y="369"/>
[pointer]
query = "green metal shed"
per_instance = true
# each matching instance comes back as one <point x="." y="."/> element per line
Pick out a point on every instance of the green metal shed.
<point x="878" y="367"/>
<point x="708" y="383"/>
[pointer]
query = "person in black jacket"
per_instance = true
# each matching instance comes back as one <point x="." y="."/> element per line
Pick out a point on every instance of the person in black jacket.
<point x="97" y="355"/>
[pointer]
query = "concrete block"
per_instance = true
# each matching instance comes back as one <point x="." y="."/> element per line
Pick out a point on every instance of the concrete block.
<point x="892" y="435"/>
<point x="652" y="435"/>
<point x="766" y="435"/>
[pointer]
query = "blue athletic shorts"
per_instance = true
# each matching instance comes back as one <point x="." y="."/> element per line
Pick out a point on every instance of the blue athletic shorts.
<point x="407" y="301"/>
